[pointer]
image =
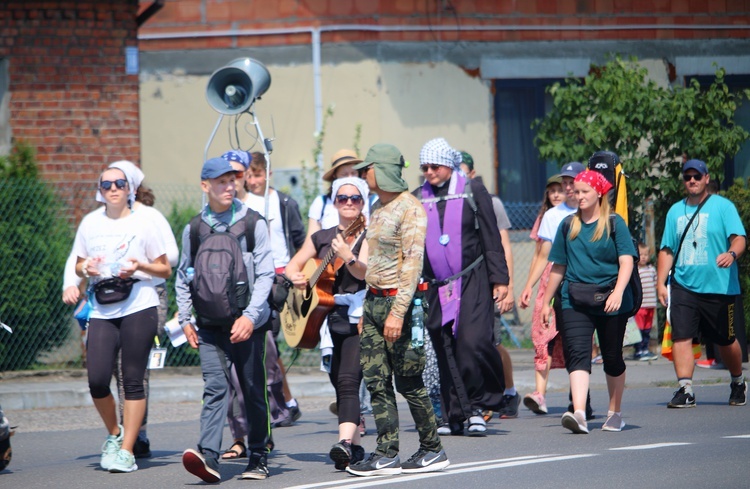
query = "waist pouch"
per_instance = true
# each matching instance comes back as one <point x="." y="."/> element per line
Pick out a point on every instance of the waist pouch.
<point x="589" y="296"/>
<point x="113" y="290"/>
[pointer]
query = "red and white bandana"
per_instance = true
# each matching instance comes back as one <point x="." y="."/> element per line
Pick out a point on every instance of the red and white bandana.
<point x="595" y="180"/>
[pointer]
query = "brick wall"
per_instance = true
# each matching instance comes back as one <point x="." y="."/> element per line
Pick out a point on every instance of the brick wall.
<point x="208" y="15"/>
<point x="69" y="94"/>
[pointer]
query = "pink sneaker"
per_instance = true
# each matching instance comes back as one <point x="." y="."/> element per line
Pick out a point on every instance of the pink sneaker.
<point x="535" y="402"/>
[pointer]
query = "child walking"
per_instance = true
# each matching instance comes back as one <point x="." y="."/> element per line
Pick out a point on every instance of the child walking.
<point x="644" y="318"/>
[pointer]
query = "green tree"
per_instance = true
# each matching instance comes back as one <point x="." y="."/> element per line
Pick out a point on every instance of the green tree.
<point x="739" y="194"/>
<point x="617" y="108"/>
<point x="34" y="243"/>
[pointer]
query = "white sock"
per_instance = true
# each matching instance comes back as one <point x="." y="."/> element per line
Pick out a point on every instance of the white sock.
<point x="510" y="391"/>
<point x="738" y="380"/>
<point x="687" y="384"/>
<point x="291" y="403"/>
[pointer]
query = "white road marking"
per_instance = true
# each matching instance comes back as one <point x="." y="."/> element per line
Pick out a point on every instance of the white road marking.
<point x="737" y="436"/>
<point x="649" y="447"/>
<point x="451" y="470"/>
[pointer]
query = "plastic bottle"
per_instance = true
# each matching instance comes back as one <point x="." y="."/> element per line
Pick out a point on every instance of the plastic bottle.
<point x="190" y="274"/>
<point x="417" y="324"/>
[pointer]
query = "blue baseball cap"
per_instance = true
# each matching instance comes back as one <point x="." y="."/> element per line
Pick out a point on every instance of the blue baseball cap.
<point x="238" y="156"/>
<point x="216" y="167"/>
<point x="572" y="169"/>
<point x="696" y="165"/>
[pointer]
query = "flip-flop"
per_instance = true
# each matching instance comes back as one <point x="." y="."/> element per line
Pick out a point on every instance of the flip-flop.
<point x="233" y="453"/>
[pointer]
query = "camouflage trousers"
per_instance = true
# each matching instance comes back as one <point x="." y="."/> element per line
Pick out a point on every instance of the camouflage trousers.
<point x="381" y="360"/>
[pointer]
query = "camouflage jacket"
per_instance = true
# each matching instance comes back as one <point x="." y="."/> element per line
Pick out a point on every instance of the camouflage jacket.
<point x="396" y="236"/>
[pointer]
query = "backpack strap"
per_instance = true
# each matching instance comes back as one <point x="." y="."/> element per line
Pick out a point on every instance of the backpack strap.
<point x="323" y="208"/>
<point x="195" y="238"/>
<point x="251" y="218"/>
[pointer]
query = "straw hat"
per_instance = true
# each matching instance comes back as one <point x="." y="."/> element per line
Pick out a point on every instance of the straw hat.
<point x="340" y="158"/>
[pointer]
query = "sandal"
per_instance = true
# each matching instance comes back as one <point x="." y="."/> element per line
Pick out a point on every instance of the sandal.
<point x="233" y="453"/>
<point x="597" y="360"/>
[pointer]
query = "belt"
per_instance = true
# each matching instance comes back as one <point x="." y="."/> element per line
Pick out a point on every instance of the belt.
<point x="383" y="292"/>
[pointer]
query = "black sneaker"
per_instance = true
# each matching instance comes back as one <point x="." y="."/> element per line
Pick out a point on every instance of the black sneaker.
<point x="510" y="406"/>
<point x="257" y="468"/>
<point x="682" y="399"/>
<point x="358" y="454"/>
<point x="425" y="461"/>
<point x="738" y="397"/>
<point x="589" y="410"/>
<point x="206" y="469"/>
<point x="142" y="448"/>
<point x="341" y="454"/>
<point x="376" y="464"/>
<point x="295" y="413"/>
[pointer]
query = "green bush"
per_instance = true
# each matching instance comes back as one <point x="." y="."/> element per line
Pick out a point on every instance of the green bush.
<point x="739" y="194"/>
<point x="34" y="243"/>
<point x="184" y="355"/>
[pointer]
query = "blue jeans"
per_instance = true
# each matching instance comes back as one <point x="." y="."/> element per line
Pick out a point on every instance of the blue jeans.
<point x="216" y="353"/>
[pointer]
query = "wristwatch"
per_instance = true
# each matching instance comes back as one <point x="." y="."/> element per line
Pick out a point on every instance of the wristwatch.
<point x="352" y="261"/>
<point x="734" y="255"/>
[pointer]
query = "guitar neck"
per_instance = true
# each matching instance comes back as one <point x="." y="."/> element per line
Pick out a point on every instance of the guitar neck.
<point x="319" y="271"/>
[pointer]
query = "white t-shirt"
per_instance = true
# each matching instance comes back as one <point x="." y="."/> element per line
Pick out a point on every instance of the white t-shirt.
<point x="115" y="240"/>
<point x="330" y="213"/>
<point x="552" y="219"/>
<point x="279" y="249"/>
<point x="162" y="225"/>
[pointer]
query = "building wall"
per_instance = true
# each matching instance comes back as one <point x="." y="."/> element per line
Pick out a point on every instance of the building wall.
<point x="403" y="104"/>
<point x="402" y="86"/>
<point x="67" y="91"/>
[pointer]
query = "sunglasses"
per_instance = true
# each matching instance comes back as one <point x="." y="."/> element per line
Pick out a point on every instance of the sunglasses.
<point x="343" y="199"/>
<point x="693" y="176"/>
<point x="119" y="183"/>
<point x="424" y="168"/>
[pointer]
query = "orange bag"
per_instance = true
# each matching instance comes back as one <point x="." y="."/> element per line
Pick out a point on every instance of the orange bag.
<point x="666" y="344"/>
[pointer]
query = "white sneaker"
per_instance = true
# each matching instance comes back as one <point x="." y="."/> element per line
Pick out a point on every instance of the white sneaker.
<point x="111" y="446"/>
<point x="575" y="422"/>
<point x="124" y="462"/>
<point x="614" y="423"/>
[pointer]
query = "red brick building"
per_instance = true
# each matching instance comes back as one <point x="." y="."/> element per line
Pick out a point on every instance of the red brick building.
<point x="67" y="90"/>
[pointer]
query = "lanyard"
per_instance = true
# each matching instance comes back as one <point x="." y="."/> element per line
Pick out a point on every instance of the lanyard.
<point x="211" y="219"/>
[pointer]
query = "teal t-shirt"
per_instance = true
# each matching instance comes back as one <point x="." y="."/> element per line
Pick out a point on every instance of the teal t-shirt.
<point x="593" y="262"/>
<point x="707" y="238"/>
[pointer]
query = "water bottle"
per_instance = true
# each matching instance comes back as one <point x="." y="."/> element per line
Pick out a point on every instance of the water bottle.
<point x="189" y="274"/>
<point x="417" y="324"/>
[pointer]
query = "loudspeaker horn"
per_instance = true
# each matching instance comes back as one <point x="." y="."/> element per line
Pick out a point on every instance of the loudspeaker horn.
<point x="232" y="89"/>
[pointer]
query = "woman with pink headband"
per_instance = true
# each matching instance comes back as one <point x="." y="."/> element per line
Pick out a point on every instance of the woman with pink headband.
<point x="592" y="258"/>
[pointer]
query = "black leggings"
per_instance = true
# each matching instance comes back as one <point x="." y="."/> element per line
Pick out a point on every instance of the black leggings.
<point x="346" y="375"/>
<point x="134" y="335"/>
<point x="578" y="328"/>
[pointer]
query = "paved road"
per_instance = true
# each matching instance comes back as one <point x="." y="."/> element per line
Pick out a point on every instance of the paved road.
<point x="708" y="446"/>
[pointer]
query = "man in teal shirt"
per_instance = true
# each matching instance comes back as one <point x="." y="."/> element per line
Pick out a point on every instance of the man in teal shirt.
<point x="705" y="282"/>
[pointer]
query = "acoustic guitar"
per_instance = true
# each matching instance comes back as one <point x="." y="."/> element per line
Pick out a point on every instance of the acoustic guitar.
<point x="305" y="310"/>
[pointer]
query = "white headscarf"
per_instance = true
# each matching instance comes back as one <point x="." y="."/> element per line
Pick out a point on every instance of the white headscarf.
<point x="133" y="175"/>
<point x="438" y="152"/>
<point x="361" y="185"/>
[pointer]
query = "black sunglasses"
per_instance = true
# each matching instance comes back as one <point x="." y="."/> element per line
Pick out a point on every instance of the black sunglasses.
<point x="424" y="168"/>
<point x="694" y="176"/>
<point x="342" y="199"/>
<point x="119" y="183"/>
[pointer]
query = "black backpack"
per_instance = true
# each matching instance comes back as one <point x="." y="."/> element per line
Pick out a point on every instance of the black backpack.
<point x="220" y="289"/>
<point x="635" y="278"/>
<point x="608" y="164"/>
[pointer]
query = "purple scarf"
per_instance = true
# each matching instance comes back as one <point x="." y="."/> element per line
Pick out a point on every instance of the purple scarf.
<point x="444" y="247"/>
